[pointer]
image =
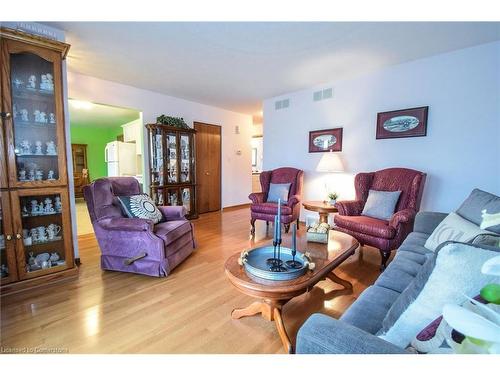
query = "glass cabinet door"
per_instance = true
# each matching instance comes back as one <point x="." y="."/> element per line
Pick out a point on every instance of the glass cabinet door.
<point x="36" y="130"/>
<point x="187" y="198"/>
<point x="156" y="144"/>
<point x="8" y="270"/>
<point x="171" y="156"/>
<point x="185" y="158"/>
<point x="44" y="243"/>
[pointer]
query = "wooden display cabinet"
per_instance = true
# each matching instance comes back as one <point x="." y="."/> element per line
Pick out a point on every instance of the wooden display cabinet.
<point x="80" y="168"/>
<point x="172" y="167"/>
<point x="33" y="166"/>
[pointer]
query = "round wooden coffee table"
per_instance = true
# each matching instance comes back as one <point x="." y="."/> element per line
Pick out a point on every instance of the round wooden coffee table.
<point x="324" y="209"/>
<point x="272" y="295"/>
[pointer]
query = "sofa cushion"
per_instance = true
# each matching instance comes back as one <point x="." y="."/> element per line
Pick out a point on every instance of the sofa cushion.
<point x="453" y="228"/>
<point x="381" y="204"/>
<point x="170" y="231"/>
<point x="471" y="209"/>
<point x="369" y="310"/>
<point x="367" y="225"/>
<point x="455" y="274"/>
<point x="270" y="208"/>
<point x="401" y="271"/>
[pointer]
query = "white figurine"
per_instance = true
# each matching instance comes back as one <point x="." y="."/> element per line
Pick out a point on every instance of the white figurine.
<point x="38" y="146"/>
<point x="51" y="148"/>
<point x="31" y="82"/>
<point x="39" y="175"/>
<point x="24" y="115"/>
<point x="22" y="175"/>
<point x="41" y="208"/>
<point x="43" y="82"/>
<point x="50" y="175"/>
<point x="31" y="175"/>
<point x="36" y="114"/>
<point x="58" y="204"/>
<point x="43" y="117"/>
<point x="49" y="208"/>
<point x="14" y="110"/>
<point x="25" y="147"/>
<point x="18" y="83"/>
<point x="34" y="207"/>
<point x="52" y="118"/>
<point x="49" y="83"/>
<point x="54" y="257"/>
<point x="25" y="211"/>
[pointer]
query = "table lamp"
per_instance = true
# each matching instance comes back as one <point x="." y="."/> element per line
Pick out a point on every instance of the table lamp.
<point x="330" y="163"/>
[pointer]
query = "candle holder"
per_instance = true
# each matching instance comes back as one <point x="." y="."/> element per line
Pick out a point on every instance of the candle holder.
<point x="274" y="262"/>
<point x="277" y="266"/>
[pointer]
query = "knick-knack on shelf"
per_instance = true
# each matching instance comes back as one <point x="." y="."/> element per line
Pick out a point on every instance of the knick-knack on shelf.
<point x="58" y="204"/>
<point x="38" y="148"/>
<point x="51" y="148"/>
<point x="31" y="82"/>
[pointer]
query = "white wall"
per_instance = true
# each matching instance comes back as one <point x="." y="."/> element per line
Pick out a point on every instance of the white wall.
<point x="460" y="152"/>
<point x="236" y="169"/>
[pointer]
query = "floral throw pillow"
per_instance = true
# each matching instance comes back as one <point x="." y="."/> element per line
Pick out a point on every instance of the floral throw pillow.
<point x="140" y="206"/>
<point x="439" y="338"/>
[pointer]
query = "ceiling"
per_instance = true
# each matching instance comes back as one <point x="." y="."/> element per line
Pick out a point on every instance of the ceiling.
<point x="99" y="115"/>
<point x="235" y="65"/>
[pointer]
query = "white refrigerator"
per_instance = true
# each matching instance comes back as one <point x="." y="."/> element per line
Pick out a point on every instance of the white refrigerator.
<point x="121" y="159"/>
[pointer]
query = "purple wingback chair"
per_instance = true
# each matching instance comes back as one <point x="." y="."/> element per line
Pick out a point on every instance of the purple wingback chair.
<point x="263" y="210"/>
<point x="131" y="244"/>
<point x="384" y="235"/>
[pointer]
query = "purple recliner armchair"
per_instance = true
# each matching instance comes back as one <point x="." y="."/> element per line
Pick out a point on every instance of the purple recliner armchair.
<point x="384" y="235"/>
<point x="132" y="244"/>
<point x="263" y="210"/>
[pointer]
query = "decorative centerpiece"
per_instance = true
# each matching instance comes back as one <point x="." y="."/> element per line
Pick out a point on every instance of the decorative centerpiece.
<point x="275" y="262"/>
<point x="177" y="122"/>
<point x="318" y="232"/>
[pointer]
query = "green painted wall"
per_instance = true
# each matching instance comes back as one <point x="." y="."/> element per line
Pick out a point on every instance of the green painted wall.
<point x="96" y="139"/>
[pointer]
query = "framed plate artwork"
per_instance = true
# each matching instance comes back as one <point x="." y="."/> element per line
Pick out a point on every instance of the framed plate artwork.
<point x="411" y="122"/>
<point x="325" y="140"/>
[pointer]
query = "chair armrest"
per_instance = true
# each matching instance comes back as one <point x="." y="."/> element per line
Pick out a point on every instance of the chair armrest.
<point x="126" y="224"/>
<point x="403" y="216"/>
<point x="293" y="200"/>
<point x="426" y="222"/>
<point x="256" y="197"/>
<point x="173" y="212"/>
<point x="321" y="334"/>
<point x="350" y="208"/>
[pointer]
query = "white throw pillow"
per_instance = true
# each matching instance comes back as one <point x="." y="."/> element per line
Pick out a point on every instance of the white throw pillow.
<point x="453" y="228"/>
<point x="457" y="274"/>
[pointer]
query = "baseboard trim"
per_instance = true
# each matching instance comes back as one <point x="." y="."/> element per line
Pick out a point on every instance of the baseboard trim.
<point x="236" y="207"/>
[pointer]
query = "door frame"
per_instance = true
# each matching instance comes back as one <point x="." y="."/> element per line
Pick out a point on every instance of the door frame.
<point x="220" y="161"/>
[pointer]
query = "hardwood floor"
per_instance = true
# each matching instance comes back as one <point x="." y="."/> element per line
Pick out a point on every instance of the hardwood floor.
<point x="187" y="312"/>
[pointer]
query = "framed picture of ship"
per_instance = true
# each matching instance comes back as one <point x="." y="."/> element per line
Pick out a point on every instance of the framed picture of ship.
<point x="325" y="140"/>
<point x="411" y="122"/>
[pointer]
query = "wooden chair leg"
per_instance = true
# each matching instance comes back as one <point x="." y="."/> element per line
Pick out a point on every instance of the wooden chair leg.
<point x="252" y="223"/>
<point x="385" y="257"/>
<point x="297" y="224"/>
<point x="287" y="227"/>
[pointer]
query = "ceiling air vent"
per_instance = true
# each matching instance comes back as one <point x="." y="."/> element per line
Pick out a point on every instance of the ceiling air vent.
<point x="323" y="94"/>
<point x="281" y="104"/>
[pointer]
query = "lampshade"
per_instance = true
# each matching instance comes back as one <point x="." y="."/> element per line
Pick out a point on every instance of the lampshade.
<point x="330" y="162"/>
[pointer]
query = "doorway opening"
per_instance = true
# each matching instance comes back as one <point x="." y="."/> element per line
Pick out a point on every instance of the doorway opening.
<point x="208" y="167"/>
<point x="106" y="141"/>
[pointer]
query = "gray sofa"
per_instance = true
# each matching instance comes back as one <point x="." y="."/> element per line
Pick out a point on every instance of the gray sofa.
<point x="355" y="332"/>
